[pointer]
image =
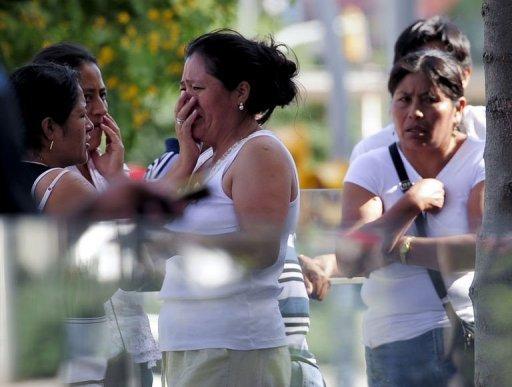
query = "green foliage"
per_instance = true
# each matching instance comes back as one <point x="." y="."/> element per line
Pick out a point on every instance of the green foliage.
<point x="139" y="45"/>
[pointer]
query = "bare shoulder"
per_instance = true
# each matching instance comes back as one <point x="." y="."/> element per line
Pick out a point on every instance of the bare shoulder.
<point x="68" y="192"/>
<point x="263" y="164"/>
<point x="264" y="151"/>
<point x="69" y="179"/>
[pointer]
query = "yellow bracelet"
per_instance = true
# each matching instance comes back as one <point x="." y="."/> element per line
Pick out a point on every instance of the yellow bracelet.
<point x="405" y="248"/>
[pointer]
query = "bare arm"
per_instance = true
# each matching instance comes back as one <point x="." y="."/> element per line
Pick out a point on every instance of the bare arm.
<point x="262" y="184"/>
<point x="447" y="254"/>
<point x="451" y="253"/>
<point x="372" y="231"/>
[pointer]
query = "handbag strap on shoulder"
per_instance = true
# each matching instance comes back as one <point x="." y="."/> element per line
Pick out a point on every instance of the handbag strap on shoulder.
<point x="405" y="184"/>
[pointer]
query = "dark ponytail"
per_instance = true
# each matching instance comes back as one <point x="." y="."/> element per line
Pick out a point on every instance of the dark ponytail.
<point x="231" y="58"/>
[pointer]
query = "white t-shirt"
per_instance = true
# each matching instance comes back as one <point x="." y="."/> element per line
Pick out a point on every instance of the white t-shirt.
<point x="473" y="123"/>
<point x="401" y="299"/>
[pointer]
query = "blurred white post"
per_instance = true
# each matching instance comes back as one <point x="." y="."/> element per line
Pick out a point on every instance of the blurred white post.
<point x="371" y="113"/>
<point x="335" y="61"/>
<point x="6" y="347"/>
<point x="248" y="12"/>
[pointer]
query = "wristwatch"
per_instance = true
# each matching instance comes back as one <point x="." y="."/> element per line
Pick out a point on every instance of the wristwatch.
<point x="404" y="249"/>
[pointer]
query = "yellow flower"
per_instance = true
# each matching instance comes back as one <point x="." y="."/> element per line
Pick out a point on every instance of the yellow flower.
<point x="130" y="92"/>
<point x="152" y="90"/>
<point x="135" y="103"/>
<point x="167" y="15"/>
<point x="181" y="50"/>
<point x="112" y="82"/>
<point x="123" y="17"/>
<point x="179" y="8"/>
<point x="131" y="31"/>
<point x="153" y="14"/>
<point x="100" y="22"/>
<point x="168" y="44"/>
<point x="106" y="55"/>
<point x="138" y="43"/>
<point x="125" y="42"/>
<point x="154" y="42"/>
<point x="140" y="118"/>
<point x="174" y="69"/>
<point x="174" y="30"/>
<point x="47" y="43"/>
<point x="39" y="22"/>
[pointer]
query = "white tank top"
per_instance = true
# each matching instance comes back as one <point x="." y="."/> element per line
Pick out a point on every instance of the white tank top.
<point x="237" y="310"/>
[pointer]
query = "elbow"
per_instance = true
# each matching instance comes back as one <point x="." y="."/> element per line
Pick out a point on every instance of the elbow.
<point x="348" y="265"/>
<point x="269" y="255"/>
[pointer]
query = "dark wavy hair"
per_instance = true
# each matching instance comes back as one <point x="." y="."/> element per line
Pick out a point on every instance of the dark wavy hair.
<point x="44" y="90"/>
<point x="438" y="66"/>
<point x="232" y="58"/>
<point x="66" y="54"/>
<point x="437" y="30"/>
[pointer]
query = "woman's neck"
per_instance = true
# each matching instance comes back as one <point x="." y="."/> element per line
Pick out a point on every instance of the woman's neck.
<point x="43" y="157"/>
<point x="34" y="157"/>
<point x="232" y="137"/>
<point x="428" y="162"/>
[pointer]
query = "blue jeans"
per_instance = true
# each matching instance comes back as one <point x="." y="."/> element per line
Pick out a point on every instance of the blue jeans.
<point x="419" y="361"/>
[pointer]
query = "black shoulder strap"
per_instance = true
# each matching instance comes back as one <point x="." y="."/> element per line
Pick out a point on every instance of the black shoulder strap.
<point x="405" y="184"/>
<point x="439" y="285"/>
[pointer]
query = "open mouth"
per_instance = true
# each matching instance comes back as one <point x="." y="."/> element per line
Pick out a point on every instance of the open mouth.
<point x="417" y="131"/>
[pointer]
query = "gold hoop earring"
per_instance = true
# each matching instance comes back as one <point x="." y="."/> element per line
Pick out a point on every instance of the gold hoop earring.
<point x="241" y="106"/>
<point x="51" y="145"/>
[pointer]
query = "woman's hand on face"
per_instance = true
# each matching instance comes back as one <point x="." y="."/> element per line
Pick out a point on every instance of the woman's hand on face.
<point x="427" y="194"/>
<point x="186" y="114"/>
<point x="110" y="164"/>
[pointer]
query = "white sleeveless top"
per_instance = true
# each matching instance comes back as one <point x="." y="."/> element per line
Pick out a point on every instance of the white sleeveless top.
<point x="236" y="310"/>
<point x="42" y="204"/>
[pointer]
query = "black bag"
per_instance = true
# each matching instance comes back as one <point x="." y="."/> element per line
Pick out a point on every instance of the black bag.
<point x="461" y="344"/>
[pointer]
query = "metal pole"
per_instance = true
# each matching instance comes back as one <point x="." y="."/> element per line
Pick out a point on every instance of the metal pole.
<point x="6" y="337"/>
<point x="338" y="101"/>
<point x="247" y="16"/>
<point x="399" y="14"/>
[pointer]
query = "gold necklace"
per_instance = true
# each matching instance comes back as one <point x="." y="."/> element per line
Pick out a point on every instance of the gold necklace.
<point x="216" y="166"/>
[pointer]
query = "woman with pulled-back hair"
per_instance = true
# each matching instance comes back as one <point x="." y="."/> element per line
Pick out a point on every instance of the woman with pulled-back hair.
<point x="233" y="335"/>
<point x="403" y="326"/>
<point x="100" y="168"/>
<point x="56" y="135"/>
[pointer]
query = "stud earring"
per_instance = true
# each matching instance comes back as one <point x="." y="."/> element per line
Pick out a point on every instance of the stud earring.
<point x="241" y="106"/>
<point x="51" y="145"/>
